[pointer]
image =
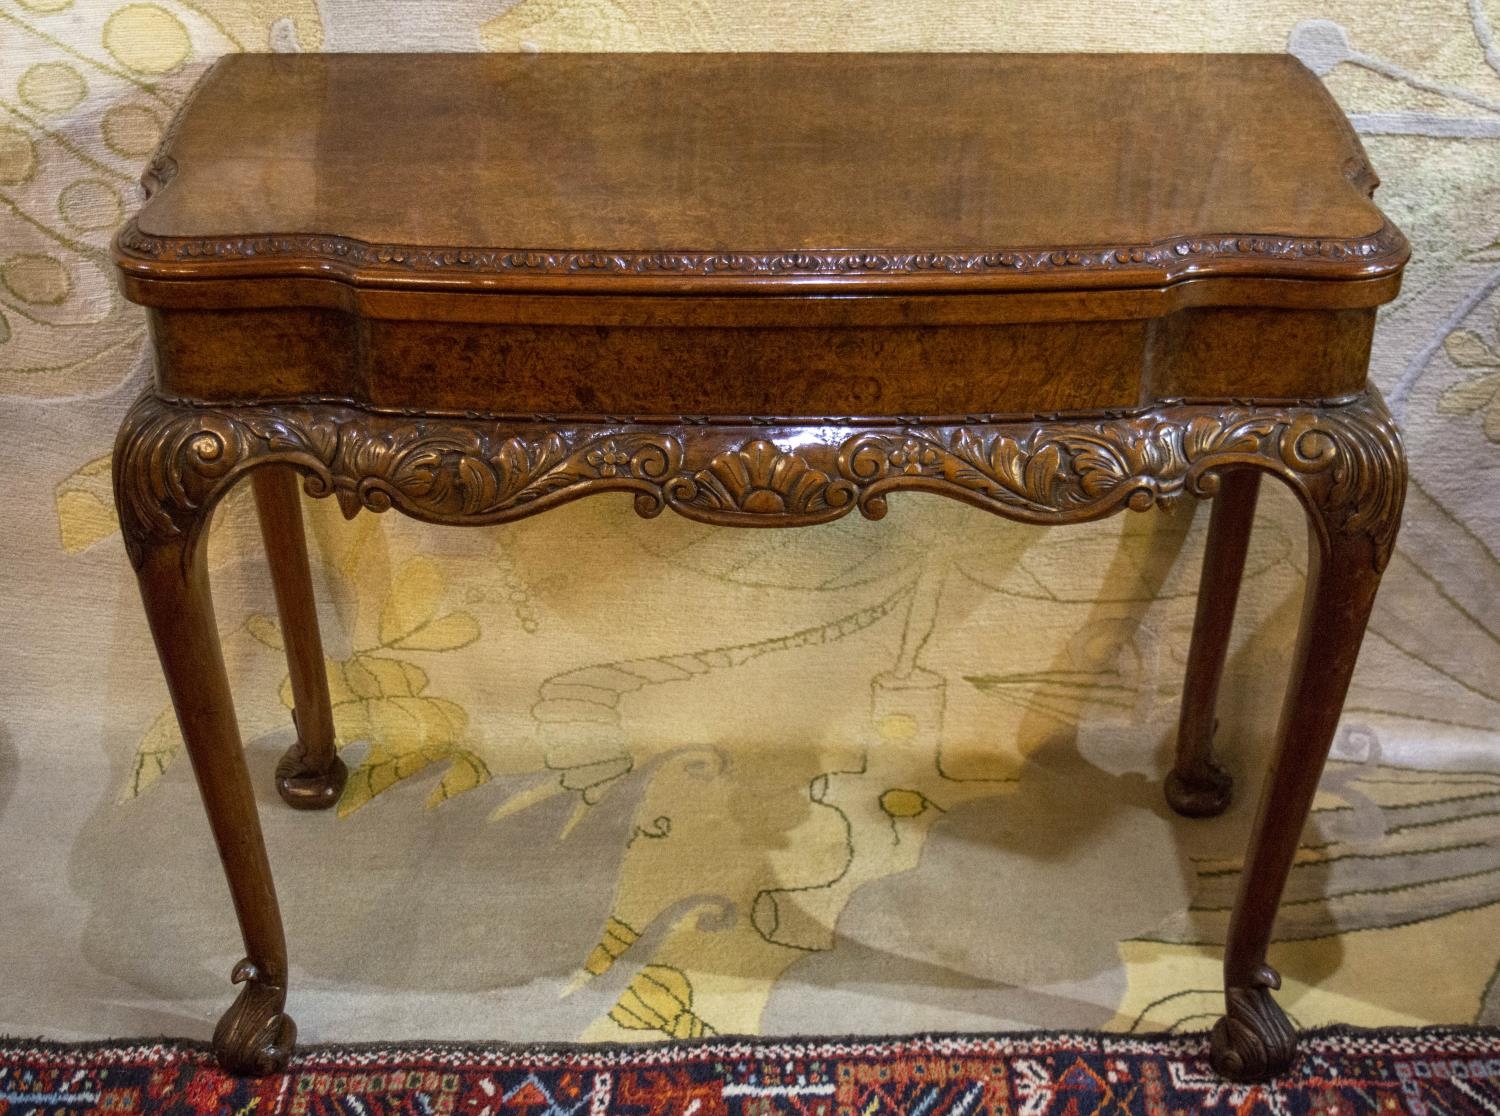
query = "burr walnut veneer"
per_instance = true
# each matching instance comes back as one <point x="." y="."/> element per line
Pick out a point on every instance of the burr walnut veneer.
<point x="768" y="291"/>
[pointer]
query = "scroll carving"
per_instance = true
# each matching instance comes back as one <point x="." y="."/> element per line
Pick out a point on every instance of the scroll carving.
<point x="1345" y="461"/>
<point x="255" y="1036"/>
<point x="1254" y="1040"/>
<point x="173" y="460"/>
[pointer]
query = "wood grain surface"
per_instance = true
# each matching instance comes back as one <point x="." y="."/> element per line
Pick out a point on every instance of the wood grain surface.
<point x="994" y="172"/>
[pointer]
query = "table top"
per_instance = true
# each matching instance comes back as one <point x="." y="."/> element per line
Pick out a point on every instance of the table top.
<point x="777" y="173"/>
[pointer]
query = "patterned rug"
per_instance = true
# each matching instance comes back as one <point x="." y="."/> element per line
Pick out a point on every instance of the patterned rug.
<point x="1436" y="1071"/>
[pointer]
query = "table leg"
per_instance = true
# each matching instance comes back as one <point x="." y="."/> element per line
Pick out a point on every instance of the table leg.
<point x="171" y="467"/>
<point x="174" y="461"/>
<point x="1254" y="1040"/>
<point x="254" y="1036"/>
<point x="310" y="775"/>
<point x="1197" y="786"/>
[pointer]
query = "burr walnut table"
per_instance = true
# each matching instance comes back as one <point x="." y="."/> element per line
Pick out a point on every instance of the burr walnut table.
<point x="760" y="291"/>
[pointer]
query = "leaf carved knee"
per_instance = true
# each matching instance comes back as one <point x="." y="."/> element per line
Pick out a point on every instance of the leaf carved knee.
<point x="173" y="462"/>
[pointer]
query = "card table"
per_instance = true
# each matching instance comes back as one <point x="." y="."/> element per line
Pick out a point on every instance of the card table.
<point x="760" y="291"/>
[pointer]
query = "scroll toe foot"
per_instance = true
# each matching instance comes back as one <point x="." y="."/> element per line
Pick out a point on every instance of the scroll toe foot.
<point x="255" y="1037"/>
<point x="1254" y="1041"/>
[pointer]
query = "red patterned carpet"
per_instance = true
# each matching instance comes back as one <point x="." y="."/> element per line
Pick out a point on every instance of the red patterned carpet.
<point x="1436" y="1071"/>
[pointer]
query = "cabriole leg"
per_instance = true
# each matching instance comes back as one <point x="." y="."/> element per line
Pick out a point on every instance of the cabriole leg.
<point x="310" y="775"/>
<point x="171" y="466"/>
<point x="255" y="1036"/>
<point x="1348" y="545"/>
<point x="1197" y="786"/>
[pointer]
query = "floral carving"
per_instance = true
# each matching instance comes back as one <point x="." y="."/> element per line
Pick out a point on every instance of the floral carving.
<point x="609" y="457"/>
<point x="1058" y="467"/>
<point x="173" y="460"/>
<point x="913" y="456"/>
<point x="1345" y="461"/>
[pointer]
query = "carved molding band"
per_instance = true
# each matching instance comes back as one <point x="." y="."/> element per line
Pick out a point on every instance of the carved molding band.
<point x="1166" y="259"/>
<point x="174" y="460"/>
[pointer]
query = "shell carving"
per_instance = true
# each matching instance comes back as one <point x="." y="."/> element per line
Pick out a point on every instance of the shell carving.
<point x="761" y="480"/>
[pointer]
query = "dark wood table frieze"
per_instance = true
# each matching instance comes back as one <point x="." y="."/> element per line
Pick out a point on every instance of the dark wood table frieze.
<point x="475" y="287"/>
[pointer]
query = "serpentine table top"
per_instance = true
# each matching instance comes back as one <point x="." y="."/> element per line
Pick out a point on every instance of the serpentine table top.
<point x="456" y="192"/>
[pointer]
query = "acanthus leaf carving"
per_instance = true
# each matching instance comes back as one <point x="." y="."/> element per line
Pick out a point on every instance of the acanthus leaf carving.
<point x="1344" y="460"/>
<point x="1052" y="469"/>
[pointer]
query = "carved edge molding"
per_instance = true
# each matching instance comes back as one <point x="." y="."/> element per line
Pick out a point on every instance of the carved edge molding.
<point x="1172" y="258"/>
<point x="173" y="461"/>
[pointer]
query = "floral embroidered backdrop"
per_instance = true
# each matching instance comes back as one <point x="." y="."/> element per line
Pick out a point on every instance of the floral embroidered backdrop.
<point x="618" y="779"/>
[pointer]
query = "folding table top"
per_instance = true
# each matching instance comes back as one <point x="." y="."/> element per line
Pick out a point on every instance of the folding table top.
<point x="768" y="173"/>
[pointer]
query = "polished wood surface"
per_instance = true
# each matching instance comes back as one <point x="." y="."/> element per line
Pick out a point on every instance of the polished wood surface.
<point x="1198" y="787"/>
<point x="713" y="169"/>
<point x="310" y="776"/>
<point x="796" y="369"/>
<point x="761" y="291"/>
<point x="392" y="230"/>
